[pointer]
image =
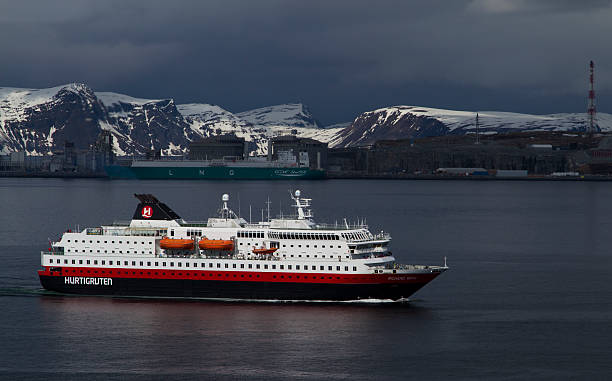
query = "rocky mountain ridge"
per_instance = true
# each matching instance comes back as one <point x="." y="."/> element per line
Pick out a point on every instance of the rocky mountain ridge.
<point x="402" y="122"/>
<point x="38" y="121"/>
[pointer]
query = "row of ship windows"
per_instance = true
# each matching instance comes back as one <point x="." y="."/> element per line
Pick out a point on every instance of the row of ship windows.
<point x="356" y="236"/>
<point x="315" y="246"/>
<point x="308" y="256"/>
<point x="219" y="275"/>
<point x="306" y="236"/>
<point x="126" y="242"/>
<point x="203" y="265"/>
<point x="150" y="252"/>
<point x="241" y="234"/>
<point x="112" y="251"/>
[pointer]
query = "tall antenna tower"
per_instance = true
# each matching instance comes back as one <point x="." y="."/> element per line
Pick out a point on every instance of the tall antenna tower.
<point x="591" y="110"/>
<point x="477" y="129"/>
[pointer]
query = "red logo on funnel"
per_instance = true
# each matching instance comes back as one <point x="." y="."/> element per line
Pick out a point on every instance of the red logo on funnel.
<point x="147" y="212"/>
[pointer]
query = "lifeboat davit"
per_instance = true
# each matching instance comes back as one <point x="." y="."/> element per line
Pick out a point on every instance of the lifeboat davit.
<point x="176" y="244"/>
<point x="263" y="250"/>
<point x="216" y="244"/>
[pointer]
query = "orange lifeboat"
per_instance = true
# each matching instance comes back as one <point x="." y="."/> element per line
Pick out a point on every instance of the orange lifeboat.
<point x="176" y="244"/>
<point x="263" y="250"/>
<point x="216" y="244"/>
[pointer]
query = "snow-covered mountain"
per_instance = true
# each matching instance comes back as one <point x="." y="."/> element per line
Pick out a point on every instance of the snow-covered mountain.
<point x="36" y="120"/>
<point x="140" y="125"/>
<point x="40" y="120"/>
<point x="401" y="122"/>
<point x="288" y="115"/>
<point x="256" y="126"/>
<point x="211" y="116"/>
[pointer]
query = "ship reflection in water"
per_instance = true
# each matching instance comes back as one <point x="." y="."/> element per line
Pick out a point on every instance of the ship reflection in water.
<point x="240" y="340"/>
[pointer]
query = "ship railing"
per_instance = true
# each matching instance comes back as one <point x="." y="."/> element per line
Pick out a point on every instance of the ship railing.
<point x="397" y="266"/>
<point x="371" y="254"/>
<point x="140" y="232"/>
<point x="195" y="224"/>
<point x="121" y="223"/>
<point x="381" y="254"/>
<point x="258" y="257"/>
<point x="256" y="224"/>
<point x="382" y="236"/>
<point x="340" y="226"/>
<point x="371" y="240"/>
<point x="52" y="252"/>
<point x="323" y="226"/>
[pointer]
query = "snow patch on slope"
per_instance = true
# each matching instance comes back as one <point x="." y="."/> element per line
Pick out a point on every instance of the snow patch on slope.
<point x="287" y="115"/>
<point x="338" y="125"/>
<point x="205" y="118"/>
<point x="201" y="110"/>
<point x="14" y="101"/>
<point x="109" y="99"/>
<point x="255" y="126"/>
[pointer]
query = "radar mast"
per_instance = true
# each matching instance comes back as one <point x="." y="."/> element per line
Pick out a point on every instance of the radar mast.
<point x="302" y="205"/>
<point x="225" y="211"/>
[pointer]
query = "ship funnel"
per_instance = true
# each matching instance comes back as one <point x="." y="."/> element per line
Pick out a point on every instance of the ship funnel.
<point x="150" y="208"/>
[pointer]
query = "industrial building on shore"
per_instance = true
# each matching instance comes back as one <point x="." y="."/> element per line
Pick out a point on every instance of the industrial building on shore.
<point x="517" y="154"/>
<point x="534" y="153"/>
<point x="67" y="162"/>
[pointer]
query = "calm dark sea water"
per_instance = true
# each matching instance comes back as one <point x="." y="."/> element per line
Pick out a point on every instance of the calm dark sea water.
<point x="528" y="295"/>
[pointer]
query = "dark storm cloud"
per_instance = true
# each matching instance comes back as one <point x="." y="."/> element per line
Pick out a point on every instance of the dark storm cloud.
<point x="512" y="6"/>
<point x="340" y="57"/>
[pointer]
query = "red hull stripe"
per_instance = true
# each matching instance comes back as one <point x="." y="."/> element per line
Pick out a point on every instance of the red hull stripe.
<point x="250" y="276"/>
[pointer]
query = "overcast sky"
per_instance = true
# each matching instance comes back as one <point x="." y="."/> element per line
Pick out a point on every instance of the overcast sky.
<point x="339" y="57"/>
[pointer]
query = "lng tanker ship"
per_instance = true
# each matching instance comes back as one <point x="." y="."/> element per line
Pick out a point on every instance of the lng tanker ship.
<point x="213" y="169"/>
<point x="292" y="258"/>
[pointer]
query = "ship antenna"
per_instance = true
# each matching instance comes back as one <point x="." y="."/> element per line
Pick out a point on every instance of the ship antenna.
<point x="301" y="203"/>
<point x="445" y="262"/>
<point x="225" y="199"/>
<point x="268" y="205"/>
<point x="225" y="211"/>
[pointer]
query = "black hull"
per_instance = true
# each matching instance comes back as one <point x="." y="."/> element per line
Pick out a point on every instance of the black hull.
<point x="211" y="289"/>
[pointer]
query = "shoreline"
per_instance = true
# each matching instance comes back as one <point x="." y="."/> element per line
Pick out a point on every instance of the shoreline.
<point x="337" y="176"/>
<point x="53" y="175"/>
<point x="469" y="178"/>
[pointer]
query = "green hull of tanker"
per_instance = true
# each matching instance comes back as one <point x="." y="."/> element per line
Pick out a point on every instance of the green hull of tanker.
<point x="212" y="173"/>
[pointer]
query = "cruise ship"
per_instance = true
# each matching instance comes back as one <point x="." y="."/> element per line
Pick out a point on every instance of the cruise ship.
<point x="288" y="258"/>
